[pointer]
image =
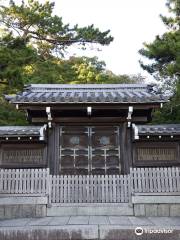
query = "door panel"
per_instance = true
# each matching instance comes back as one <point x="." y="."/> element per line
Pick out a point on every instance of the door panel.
<point x="105" y="149"/>
<point x="89" y="150"/>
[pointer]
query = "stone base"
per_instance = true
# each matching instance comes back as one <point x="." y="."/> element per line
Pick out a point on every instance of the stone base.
<point x="22" y="211"/>
<point x="22" y="207"/>
<point x="157" y="210"/>
<point x="156" y="205"/>
<point x="83" y="232"/>
<point x="89" y="209"/>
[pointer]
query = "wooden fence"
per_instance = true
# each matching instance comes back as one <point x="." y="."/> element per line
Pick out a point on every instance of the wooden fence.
<point x="90" y="189"/>
<point x="24" y="181"/>
<point x="149" y="180"/>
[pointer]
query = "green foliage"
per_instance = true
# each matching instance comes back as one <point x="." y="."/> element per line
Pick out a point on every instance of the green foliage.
<point x="164" y="65"/>
<point x="14" y="56"/>
<point x="35" y="21"/>
<point x="10" y="116"/>
<point x="79" y="70"/>
<point x="170" y="113"/>
<point x="164" y="51"/>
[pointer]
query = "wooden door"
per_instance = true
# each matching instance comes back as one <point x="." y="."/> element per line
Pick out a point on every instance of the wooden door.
<point x="89" y="150"/>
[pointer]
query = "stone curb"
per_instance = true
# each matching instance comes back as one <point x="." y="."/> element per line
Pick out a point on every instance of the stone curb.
<point x="84" y="232"/>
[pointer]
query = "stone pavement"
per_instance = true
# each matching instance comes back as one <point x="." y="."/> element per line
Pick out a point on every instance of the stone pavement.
<point x="91" y="227"/>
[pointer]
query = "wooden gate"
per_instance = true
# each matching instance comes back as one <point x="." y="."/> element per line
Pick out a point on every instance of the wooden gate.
<point x="89" y="150"/>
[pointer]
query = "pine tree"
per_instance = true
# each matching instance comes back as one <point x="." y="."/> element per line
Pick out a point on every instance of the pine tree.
<point x="164" y="56"/>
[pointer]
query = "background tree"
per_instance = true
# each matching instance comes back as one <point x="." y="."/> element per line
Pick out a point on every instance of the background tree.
<point x="33" y="24"/>
<point x="33" y="42"/>
<point x="164" y="65"/>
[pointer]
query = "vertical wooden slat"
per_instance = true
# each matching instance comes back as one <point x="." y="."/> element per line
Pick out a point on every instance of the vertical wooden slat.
<point x="174" y="186"/>
<point x="91" y="185"/>
<point x="166" y="180"/>
<point x="118" y="189"/>
<point x="170" y="179"/>
<point x="53" y="189"/>
<point x="76" y="188"/>
<point x="88" y="189"/>
<point x="13" y="172"/>
<point x="1" y="181"/>
<point x="5" y="180"/>
<point x="158" y="180"/>
<point x="16" y="187"/>
<point x="121" y="189"/>
<point x="102" y="189"/>
<point x="154" y="179"/>
<point x="84" y="188"/>
<point x="113" y="188"/>
<point x="99" y="180"/>
<point x="80" y="189"/>
<point x="135" y="180"/>
<point x="107" y="188"/>
<point x="177" y="178"/>
<point x="61" y="184"/>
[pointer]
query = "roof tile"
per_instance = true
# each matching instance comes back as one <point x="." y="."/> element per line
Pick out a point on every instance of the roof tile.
<point x="88" y="93"/>
<point x="164" y="129"/>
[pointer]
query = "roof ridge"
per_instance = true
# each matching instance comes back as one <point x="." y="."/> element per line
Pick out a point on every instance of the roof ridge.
<point x="158" y="125"/>
<point x="84" y="86"/>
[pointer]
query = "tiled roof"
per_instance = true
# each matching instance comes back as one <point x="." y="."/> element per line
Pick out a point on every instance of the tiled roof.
<point x="164" y="129"/>
<point x="22" y="131"/>
<point x="88" y="93"/>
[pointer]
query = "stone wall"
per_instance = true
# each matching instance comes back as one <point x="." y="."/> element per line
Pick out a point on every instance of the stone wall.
<point x="157" y="210"/>
<point x="156" y="206"/>
<point x="22" y="211"/>
<point x="22" y="207"/>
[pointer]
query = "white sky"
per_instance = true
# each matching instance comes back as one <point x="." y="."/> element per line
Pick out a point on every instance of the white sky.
<point x="131" y="22"/>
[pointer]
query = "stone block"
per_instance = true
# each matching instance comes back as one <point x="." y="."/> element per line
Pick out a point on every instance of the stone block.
<point x="119" y="220"/>
<point x="151" y="210"/>
<point x="41" y="211"/>
<point x="28" y="211"/>
<point x="98" y="220"/>
<point x="14" y="223"/>
<point x="155" y="199"/>
<point x="19" y="200"/>
<point x="163" y="210"/>
<point x="79" y="220"/>
<point x="90" y="210"/>
<point x="22" y="211"/>
<point x="68" y="232"/>
<point x="105" y="210"/>
<point x="13" y="211"/>
<point x="39" y="221"/>
<point x="59" y="221"/>
<point x="164" y="221"/>
<point x="140" y="221"/>
<point x="139" y="210"/>
<point x="175" y="210"/>
<point x="115" y="232"/>
<point x="61" y="211"/>
<point x="2" y="212"/>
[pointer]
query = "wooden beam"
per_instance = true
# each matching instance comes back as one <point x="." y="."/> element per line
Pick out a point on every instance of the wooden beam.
<point x="61" y="106"/>
<point x="92" y="119"/>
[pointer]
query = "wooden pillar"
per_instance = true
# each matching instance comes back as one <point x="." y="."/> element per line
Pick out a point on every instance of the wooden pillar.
<point x="53" y="149"/>
<point x="126" y="148"/>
